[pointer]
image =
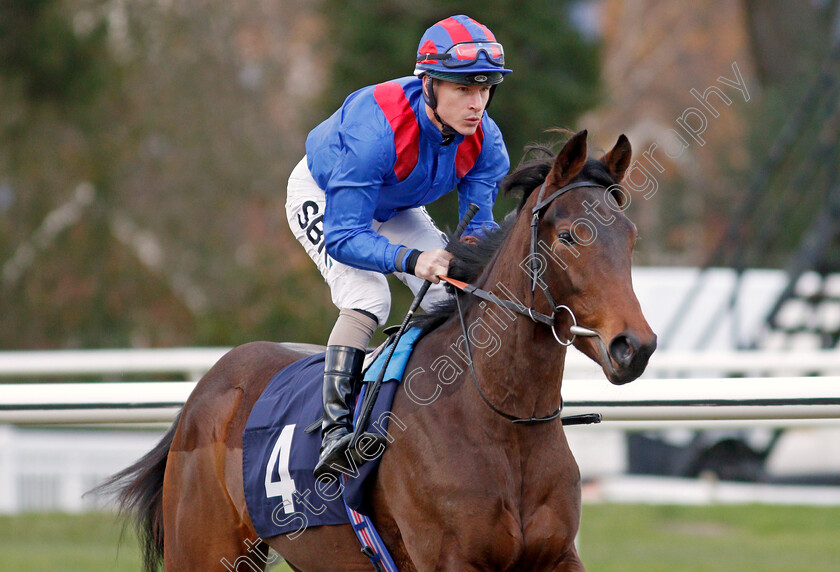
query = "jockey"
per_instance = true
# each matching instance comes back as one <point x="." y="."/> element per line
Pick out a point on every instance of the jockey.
<point x="356" y="200"/>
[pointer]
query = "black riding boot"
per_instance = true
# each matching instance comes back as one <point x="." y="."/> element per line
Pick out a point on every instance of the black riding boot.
<point x="342" y="369"/>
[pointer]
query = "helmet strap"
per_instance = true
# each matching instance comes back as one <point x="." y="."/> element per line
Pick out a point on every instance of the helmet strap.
<point x="447" y="131"/>
<point x="429" y="92"/>
<point x="490" y="98"/>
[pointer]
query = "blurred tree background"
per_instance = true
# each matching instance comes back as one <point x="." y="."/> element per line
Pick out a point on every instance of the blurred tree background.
<point x="145" y="144"/>
<point x="145" y="147"/>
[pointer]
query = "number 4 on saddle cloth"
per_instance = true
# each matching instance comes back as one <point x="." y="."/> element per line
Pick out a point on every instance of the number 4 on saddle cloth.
<point x="278" y="455"/>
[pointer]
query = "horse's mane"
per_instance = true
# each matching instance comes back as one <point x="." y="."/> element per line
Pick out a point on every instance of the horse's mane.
<point x="471" y="259"/>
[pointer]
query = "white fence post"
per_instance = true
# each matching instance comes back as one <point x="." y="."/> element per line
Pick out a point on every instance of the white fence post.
<point x="8" y="472"/>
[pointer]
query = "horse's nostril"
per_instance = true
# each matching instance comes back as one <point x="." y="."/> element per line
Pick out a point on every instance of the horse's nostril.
<point x="622" y="349"/>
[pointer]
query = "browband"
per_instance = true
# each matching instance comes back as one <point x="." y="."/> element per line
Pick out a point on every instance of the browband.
<point x="541" y="202"/>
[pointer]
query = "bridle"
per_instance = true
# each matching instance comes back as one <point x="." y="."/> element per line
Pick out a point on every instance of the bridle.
<point x="536" y="212"/>
<point x="537" y="317"/>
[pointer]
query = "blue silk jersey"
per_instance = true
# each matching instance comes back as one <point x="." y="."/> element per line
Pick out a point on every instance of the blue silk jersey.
<point x="380" y="154"/>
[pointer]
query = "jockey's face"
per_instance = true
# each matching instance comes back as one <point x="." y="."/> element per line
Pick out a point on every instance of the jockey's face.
<point x="460" y="106"/>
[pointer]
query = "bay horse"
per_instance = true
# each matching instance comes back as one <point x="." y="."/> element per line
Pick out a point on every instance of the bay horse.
<point x="462" y="487"/>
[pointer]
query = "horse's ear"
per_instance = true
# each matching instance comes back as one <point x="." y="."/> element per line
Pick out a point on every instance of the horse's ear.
<point x="569" y="160"/>
<point x="618" y="158"/>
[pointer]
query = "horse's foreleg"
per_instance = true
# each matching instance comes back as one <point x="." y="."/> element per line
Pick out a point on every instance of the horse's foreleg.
<point x="571" y="563"/>
<point x="204" y="529"/>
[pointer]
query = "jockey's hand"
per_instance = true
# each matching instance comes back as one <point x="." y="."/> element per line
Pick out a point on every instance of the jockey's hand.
<point x="431" y="264"/>
<point x="469" y="239"/>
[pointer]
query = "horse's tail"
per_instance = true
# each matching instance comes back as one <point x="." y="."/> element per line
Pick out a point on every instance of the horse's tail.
<point x="139" y="493"/>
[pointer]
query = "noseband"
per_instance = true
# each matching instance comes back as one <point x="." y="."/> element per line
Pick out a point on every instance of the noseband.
<point x="537" y="317"/>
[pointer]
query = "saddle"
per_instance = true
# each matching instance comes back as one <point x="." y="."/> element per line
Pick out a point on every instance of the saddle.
<point x="280" y="448"/>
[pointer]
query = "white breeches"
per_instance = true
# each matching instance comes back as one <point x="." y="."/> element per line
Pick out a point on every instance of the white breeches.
<point x="350" y="287"/>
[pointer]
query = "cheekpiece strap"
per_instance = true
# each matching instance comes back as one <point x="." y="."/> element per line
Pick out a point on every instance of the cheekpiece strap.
<point x="535" y="223"/>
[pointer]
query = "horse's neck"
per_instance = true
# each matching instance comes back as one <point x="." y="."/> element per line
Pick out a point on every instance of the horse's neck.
<point x="518" y="363"/>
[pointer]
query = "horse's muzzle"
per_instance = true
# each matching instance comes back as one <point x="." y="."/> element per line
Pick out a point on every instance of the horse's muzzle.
<point x="629" y="357"/>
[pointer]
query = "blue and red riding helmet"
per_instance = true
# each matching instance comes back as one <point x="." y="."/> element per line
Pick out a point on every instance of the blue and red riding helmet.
<point x="461" y="50"/>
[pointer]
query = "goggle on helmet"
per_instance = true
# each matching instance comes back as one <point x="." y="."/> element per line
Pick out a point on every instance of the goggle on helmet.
<point x="461" y="50"/>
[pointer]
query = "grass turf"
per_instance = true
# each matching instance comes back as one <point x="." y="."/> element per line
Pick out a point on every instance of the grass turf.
<point x="710" y="538"/>
<point x="613" y="538"/>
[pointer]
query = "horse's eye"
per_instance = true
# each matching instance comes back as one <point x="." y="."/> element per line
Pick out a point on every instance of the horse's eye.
<point x="566" y="237"/>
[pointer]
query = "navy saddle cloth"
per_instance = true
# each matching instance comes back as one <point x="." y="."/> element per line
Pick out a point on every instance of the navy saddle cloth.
<point x="278" y="456"/>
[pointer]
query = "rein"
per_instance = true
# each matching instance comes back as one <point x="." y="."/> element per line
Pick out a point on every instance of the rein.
<point x="535" y="316"/>
<point x="519" y="420"/>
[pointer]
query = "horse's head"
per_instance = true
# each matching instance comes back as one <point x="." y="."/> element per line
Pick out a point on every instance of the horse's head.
<point x="584" y="245"/>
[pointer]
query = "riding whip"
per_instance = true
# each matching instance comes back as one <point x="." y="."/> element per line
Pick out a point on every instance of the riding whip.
<point x="373" y="390"/>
